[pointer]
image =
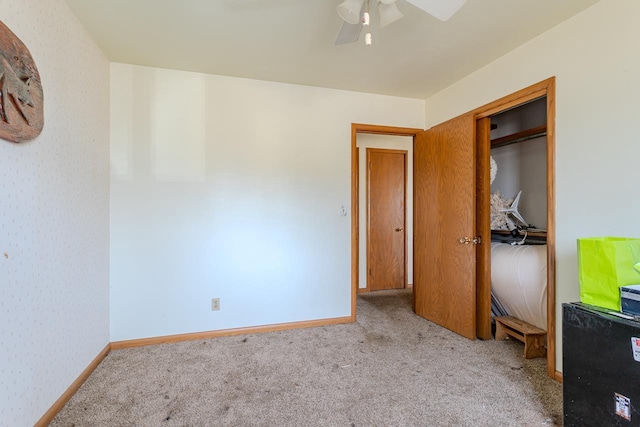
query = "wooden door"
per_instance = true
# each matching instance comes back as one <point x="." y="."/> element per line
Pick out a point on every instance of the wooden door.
<point x="483" y="229"/>
<point x="444" y="225"/>
<point x="386" y="236"/>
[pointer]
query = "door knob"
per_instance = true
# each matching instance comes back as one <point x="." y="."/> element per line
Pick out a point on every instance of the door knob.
<point x="399" y="229"/>
<point x="468" y="240"/>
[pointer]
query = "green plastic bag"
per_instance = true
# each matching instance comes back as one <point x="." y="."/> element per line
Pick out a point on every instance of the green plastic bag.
<point x="605" y="264"/>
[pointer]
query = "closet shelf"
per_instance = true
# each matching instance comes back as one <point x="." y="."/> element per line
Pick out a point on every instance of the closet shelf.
<point x="529" y="233"/>
<point x="519" y="136"/>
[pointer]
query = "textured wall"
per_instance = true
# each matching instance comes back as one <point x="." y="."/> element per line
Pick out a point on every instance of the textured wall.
<point x="54" y="218"/>
<point x="231" y="188"/>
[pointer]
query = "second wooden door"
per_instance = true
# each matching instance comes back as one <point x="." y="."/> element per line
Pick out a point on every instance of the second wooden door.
<point x="386" y="223"/>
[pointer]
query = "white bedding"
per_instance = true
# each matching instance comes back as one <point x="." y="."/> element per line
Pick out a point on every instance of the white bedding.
<point x="519" y="281"/>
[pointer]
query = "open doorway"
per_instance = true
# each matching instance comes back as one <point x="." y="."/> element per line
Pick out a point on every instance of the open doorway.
<point x="452" y="266"/>
<point x="386" y="212"/>
<point x="519" y="213"/>
<point x="527" y="138"/>
<point x="374" y="136"/>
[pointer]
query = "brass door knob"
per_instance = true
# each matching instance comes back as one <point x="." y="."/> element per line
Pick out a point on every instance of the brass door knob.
<point x="468" y="240"/>
<point x="399" y="229"/>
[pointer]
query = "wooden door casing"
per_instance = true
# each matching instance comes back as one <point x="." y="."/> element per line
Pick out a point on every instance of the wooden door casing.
<point x="386" y="219"/>
<point x="444" y="213"/>
<point x="483" y="229"/>
<point x="543" y="88"/>
<point x="361" y="128"/>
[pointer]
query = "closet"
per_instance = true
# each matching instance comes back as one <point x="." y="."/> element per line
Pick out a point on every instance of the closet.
<point x="452" y="207"/>
<point x="519" y="214"/>
<point x="519" y="149"/>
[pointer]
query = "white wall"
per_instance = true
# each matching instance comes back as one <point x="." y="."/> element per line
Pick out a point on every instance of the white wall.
<point x="231" y="188"/>
<point x="523" y="167"/>
<point x="364" y="141"/>
<point x="596" y="59"/>
<point x="54" y="226"/>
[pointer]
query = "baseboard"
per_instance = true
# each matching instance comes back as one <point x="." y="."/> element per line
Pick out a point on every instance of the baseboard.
<point x="73" y="388"/>
<point x="367" y="290"/>
<point x="62" y="400"/>
<point x="116" y="345"/>
<point x="558" y="376"/>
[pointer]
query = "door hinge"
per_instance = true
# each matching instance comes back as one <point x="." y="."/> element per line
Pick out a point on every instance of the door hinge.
<point x="369" y="272"/>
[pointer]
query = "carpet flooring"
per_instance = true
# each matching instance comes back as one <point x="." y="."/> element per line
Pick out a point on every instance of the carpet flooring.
<point x="390" y="368"/>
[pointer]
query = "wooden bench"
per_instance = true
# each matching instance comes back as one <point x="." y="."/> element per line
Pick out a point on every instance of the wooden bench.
<point x="534" y="339"/>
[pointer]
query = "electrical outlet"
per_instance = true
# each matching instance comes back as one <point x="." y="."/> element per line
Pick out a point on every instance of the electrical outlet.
<point x="215" y="304"/>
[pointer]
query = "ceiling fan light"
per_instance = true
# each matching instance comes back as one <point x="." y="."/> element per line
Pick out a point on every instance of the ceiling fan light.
<point x="389" y="13"/>
<point x="349" y="10"/>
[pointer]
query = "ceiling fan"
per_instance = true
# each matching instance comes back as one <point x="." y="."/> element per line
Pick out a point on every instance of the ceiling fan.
<point x="355" y="14"/>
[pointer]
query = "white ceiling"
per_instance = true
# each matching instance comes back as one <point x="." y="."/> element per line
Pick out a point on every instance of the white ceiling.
<point x="292" y="40"/>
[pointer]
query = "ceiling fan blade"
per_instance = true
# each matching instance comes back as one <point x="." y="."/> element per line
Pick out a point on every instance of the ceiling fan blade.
<point x="388" y="13"/>
<point x="441" y="9"/>
<point x="349" y="33"/>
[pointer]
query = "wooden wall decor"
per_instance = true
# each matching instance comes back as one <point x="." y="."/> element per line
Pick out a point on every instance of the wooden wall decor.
<point x="21" y="97"/>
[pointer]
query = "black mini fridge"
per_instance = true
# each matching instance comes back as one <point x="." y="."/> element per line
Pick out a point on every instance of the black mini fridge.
<point x="601" y="367"/>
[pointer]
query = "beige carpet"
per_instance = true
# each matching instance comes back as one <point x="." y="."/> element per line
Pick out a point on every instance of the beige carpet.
<point x="391" y="368"/>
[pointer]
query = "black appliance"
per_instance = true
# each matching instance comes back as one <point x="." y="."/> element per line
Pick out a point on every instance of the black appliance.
<point x="601" y="367"/>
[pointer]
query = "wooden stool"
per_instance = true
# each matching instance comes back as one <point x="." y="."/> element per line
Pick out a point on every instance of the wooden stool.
<point x="534" y="339"/>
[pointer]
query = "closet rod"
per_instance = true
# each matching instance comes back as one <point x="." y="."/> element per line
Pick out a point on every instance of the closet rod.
<point x="519" y="136"/>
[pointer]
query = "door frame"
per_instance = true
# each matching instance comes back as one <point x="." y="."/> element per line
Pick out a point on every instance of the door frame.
<point x="544" y="88"/>
<point x="357" y="128"/>
<point x="405" y="153"/>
